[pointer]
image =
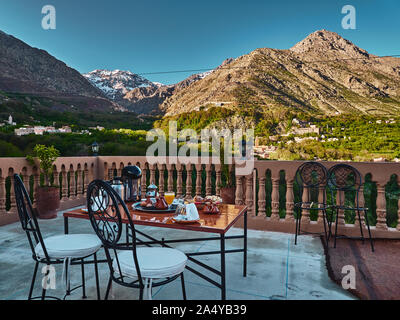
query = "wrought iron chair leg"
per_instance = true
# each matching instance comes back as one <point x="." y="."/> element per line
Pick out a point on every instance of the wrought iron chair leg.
<point x="300" y="216"/>
<point x="108" y="288"/>
<point x="297" y="222"/>
<point x="361" y="229"/>
<point x="33" y="280"/>
<point x="183" y="286"/>
<point x="83" y="280"/>
<point x="325" y="221"/>
<point x="330" y="228"/>
<point x="44" y="290"/>
<point x="336" y="226"/>
<point x="369" y="231"/>
<point x="141" y="294"/>
<point x="96" y="272"/>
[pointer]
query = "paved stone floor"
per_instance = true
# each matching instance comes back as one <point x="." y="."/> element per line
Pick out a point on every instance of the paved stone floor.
<point x="277" y="269"/>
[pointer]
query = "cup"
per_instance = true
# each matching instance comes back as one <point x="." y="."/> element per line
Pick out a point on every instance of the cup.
<point x="169" y="197"/>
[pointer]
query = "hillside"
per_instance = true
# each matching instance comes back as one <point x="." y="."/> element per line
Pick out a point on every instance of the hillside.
<point x="27" y="70"/>
<point x="322" y="75"/>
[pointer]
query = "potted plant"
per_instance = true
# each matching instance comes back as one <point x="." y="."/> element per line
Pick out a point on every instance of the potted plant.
<point x="227" y="187"/>
<point x="47" y="193"/>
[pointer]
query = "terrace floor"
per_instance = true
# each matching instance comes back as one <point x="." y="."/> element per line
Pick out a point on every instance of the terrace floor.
<point x="277" y="269"/>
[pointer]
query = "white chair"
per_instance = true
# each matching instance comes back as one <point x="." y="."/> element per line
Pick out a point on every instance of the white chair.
<point x="68" y="249"/>
<point x="130" y="266"/>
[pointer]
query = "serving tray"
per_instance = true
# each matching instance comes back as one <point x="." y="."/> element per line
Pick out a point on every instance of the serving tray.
<point x="171" y="208"/>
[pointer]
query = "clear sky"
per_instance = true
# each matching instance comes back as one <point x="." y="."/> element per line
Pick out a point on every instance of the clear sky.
<point x="163" y="35"/>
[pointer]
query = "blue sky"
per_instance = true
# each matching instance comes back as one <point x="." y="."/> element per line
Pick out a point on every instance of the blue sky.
<point x="163" y="35"/>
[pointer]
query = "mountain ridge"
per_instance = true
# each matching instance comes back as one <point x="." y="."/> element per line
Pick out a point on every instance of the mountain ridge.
<point x="322" y="74"/>
<point x="28" y="70"/>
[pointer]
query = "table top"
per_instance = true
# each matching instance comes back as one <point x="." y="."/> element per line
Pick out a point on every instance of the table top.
<point x="213" y="223"/>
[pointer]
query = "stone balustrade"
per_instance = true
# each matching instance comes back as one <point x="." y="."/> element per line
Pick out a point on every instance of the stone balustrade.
<point x="269" y="192"/>
<point x="281" y="216"/>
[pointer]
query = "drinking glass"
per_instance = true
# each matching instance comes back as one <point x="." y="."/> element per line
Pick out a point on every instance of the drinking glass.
<point x="169" y="197"/>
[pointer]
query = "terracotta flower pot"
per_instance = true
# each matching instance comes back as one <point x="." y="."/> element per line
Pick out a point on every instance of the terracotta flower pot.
<point x="47" y="202"/>
<point x="228" y="195"/>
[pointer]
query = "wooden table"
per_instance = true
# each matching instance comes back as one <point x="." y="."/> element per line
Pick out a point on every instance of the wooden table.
<point x="217" y="224"/>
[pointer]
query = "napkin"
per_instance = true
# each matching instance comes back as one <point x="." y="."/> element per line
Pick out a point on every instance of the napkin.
<point x="178" y="201"/>
<point x="99" y="202"/>
<point x="191" y="212"/>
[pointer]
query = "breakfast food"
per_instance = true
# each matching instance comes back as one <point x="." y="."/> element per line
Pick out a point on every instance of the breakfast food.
<point x="161" y="204"/>
<point x="211" y="208"/>
<point x="214" y="199"/>
<point x="146" y="203"/>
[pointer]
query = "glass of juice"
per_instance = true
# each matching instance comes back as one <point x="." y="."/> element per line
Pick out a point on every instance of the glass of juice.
<point x="169" y="197"/>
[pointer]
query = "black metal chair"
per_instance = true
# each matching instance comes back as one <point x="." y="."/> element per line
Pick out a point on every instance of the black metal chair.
<point x="344" y="178"/>
<point x="68" y="249"/>
<point x="311" y="178"/>
<point x="130" y="265"/>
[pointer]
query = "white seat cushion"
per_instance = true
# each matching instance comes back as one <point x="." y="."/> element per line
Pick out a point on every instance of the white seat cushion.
<point x="69" y="246"/>
<point x="154" y="262"/>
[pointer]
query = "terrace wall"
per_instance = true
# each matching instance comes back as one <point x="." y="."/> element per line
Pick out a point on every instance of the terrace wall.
<point x="269" y="192"/>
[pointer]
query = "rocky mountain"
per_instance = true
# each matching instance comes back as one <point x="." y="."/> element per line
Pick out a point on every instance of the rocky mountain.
<point x="147" y="100"/>
<point x="134" y="92"/>
<point x="323" y="74"/>
<point x="28" y="70"/>
<point x="116" y="84"/>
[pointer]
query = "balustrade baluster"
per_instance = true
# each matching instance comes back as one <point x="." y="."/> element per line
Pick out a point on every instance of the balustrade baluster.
<point x="398" y="215"/>
<point x="218" y="180"/>
<point x="161" y="181"/>
<point x="199" y="170"/>
<point x="153" y="173"/>
<point x="239" y="191"/>
<point x="13" y="208"/>
<point x="208" y="180"/>
<point x="36" y="182"/>
<point x="25" y="180"/>
<point x="275" y="197"/>
<point x="79" y="183"/>
<point x="72" y="184"/>
<point x="64" y="186"/>
<point x="305" y="215"/>
<point x="179" y="181"/>
<point x="143" y="182"/>
<point x="85" y="181"/>
<point x="340" y="200"/>
<point x="381" y="207"/>
<point x="321" y="191"/>
<point x="289" y="200"/>
<point x="170" y="184"/>
<point x="261" y="196"/>
<point x="189" y="181"/>
<point x="110" y="175"/>
<point x="361" y="204"/>
<point x="249" y="195"/>
<point x="2" y="195"/>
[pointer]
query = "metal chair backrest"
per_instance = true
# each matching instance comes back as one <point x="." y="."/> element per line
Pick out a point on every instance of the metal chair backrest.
<point x="343" y="177"/>
<point x="27" y="216"/>
<point x="311" y="175"/>
<point x="106" y="210"/>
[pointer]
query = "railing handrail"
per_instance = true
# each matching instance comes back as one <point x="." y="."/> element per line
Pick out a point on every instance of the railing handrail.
<point x="75" y="173"/>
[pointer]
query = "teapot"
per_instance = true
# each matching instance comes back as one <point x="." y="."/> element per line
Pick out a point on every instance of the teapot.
<point x="152" y="190"/>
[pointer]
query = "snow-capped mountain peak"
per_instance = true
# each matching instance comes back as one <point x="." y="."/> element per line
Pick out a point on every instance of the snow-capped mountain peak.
<point x="116" y="83"/>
